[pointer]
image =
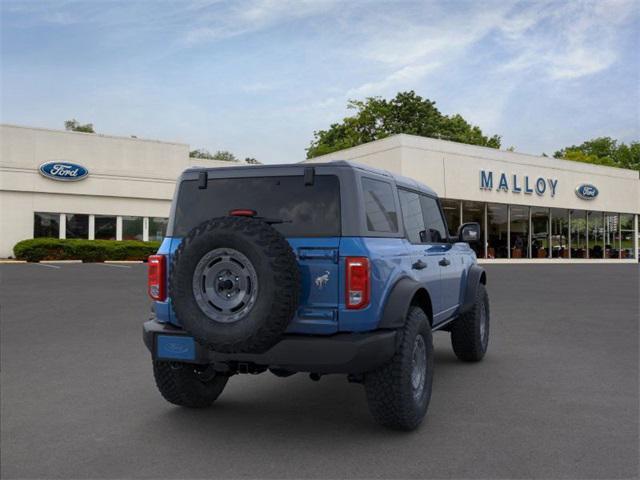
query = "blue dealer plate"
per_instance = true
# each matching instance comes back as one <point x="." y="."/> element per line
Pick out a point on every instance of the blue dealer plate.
<point x="175" y="347"/>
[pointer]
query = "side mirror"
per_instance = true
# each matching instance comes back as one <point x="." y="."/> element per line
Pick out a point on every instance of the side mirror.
<point x="469" y="232"/>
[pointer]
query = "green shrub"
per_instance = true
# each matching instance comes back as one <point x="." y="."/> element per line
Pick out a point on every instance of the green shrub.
<point x="37" y="249"/>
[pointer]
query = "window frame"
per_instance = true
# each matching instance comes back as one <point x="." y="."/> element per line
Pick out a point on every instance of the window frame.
<point x="448" y="239"/>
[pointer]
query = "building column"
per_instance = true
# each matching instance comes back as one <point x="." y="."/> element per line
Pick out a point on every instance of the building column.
<point x="486" y="233"/>
<point x="509" y="231"/>
<point x="145" y="229"/>
<point x="118" y="227"/>
<point x="569" y="233"/>
<point x="63" y="225"/>
<point x="92" y="227"/>
<point x="635" y="237"/>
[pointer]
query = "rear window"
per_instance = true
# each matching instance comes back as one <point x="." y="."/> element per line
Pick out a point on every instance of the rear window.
<point x="307" y="210"/>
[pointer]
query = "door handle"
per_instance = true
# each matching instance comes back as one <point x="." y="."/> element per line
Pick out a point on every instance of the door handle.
<point x="444" y="262"/>
<point x="419" y="265"/>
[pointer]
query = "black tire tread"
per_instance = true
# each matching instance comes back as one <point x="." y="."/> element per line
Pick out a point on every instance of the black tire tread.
<point x="465" y="331"/>
<point x="281" y="260"/>
<point x="390" y="404"/>
<point x="181" y="386"/>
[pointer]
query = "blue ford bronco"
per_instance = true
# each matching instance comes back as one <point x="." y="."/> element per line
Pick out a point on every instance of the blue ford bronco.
<point x="320" y="268"/>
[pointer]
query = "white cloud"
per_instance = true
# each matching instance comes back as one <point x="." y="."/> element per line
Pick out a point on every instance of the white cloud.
<point x="405" y="77"/>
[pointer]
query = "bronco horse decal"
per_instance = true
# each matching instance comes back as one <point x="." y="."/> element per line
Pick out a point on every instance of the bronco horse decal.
<point x="322" y="280"/>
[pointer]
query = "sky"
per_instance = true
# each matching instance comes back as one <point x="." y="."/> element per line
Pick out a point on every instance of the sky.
<point x="258" y="77"/>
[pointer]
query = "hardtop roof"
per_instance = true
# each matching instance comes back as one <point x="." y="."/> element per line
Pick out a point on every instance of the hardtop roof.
<point x="398" y="179"/>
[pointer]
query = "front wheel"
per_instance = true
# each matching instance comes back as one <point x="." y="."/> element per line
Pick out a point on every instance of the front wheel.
<point x="188" y="385"/>
<point x="470" y="332"/>
<point x="399" y="393"/>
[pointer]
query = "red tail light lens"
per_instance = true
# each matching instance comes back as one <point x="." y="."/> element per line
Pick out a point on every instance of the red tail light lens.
<point x="358" y="283"/>
<point x="242" y="212"/>
<point x="156" y="277"/>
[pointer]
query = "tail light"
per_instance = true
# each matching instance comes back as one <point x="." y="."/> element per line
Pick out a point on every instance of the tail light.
<point x="358" y="283"/>
<point x="156" y="277"/>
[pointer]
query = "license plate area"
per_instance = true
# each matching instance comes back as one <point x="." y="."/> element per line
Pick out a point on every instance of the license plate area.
<point x="175" y="347"/>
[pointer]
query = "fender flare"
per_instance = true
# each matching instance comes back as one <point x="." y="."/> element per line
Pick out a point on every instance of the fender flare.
<point x="475" y="277"/>
<point x="398" y="302"/>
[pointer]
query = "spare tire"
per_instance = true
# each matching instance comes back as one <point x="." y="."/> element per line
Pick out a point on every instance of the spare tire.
<point x="234" y="284"/>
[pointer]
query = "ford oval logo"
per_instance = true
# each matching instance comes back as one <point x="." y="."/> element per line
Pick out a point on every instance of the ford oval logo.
<point x="64" y="171"/>
<point x="175" y="347"/>
<point x="586" y="191"/>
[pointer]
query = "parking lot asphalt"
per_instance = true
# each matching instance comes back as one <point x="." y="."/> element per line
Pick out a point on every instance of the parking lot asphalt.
<point x="556" y="397"/>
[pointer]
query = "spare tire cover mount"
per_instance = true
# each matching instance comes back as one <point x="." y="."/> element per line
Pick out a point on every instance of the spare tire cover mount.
<point x="225" y="285"/>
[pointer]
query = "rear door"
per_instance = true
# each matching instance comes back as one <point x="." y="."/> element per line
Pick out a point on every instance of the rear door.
<point x="444" y="253"/>
<point x="424" y="256"/>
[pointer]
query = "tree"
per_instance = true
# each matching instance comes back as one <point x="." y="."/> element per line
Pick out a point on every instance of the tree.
<point x="604" y="151"/>
<point x="377" y="118"/>
<point x="222" y="155"/>
<point x="75" y="126"/>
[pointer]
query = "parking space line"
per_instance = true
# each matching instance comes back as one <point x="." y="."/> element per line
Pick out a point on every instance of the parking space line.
<point x="114" y="265"/>
<point x="46" y="265"/>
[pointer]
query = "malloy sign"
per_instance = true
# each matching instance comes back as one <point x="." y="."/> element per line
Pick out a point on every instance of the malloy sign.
<point x="518" y="183"/>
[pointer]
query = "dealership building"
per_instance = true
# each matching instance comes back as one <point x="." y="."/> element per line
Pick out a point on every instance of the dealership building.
<point x="536" y="209"/>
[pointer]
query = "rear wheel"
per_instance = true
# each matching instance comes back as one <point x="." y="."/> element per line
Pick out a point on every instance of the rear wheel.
<point x="470" y="332"/>
<point x="399" y="393"/>
<point x="188" y="385"/>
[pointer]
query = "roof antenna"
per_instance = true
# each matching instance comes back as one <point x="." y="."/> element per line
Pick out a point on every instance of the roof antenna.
<point x="309" y="175"/>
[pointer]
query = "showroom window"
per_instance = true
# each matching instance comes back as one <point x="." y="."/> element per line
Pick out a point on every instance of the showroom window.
<point x="519" y="231"/>
<point x="77" y="226"/>
<point x="46" y="225"/>
<point x="626" y="236"/>
<point x="474" y="212"/>
<point x="497" y="230"/>
<point x="578" y="234"/>
<point x="595" y="236"/>
<point x="157" y="228"/>
<point x="451" y="210"/>
<point x="105" y="227"/>
<point x="539" y="232"/>
<point x="132" y="228"/>
<point x="559" y="233"/>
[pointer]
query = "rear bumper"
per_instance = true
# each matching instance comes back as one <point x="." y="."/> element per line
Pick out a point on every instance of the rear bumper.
<point x="339" y="353"/>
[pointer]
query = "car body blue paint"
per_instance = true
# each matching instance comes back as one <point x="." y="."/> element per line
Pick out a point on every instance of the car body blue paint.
<point x="321" y="261"/>
<point x="322" y="309"/>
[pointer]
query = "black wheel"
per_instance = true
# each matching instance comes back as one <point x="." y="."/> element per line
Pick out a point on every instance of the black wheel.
<point x="188" y="385"/>
<point x="470" y="332"/>
<point x="399" y="393"/>
<point x="234" y="284"/>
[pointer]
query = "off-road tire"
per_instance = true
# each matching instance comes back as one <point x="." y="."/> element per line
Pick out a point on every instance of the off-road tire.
<point x="182" y="384"/>
<point x="278" y="284"/>
<point x="468" y="339"/>
<point x="389" y="389"/>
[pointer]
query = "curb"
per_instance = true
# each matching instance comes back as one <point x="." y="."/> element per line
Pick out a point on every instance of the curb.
<point x="60" y="261"/>
<point x="124" y="261"/>
<point x="8" y="261"/>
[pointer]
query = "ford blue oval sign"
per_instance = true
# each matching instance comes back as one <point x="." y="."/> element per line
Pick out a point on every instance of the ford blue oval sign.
<point x="586" y="191"/>
<point x="63" y="171"/>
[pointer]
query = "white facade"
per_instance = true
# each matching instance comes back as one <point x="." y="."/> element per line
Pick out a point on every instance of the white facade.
<point x="473" y="175"/>
<point x="128" y="191"/>
<point x="128" y="178"/>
